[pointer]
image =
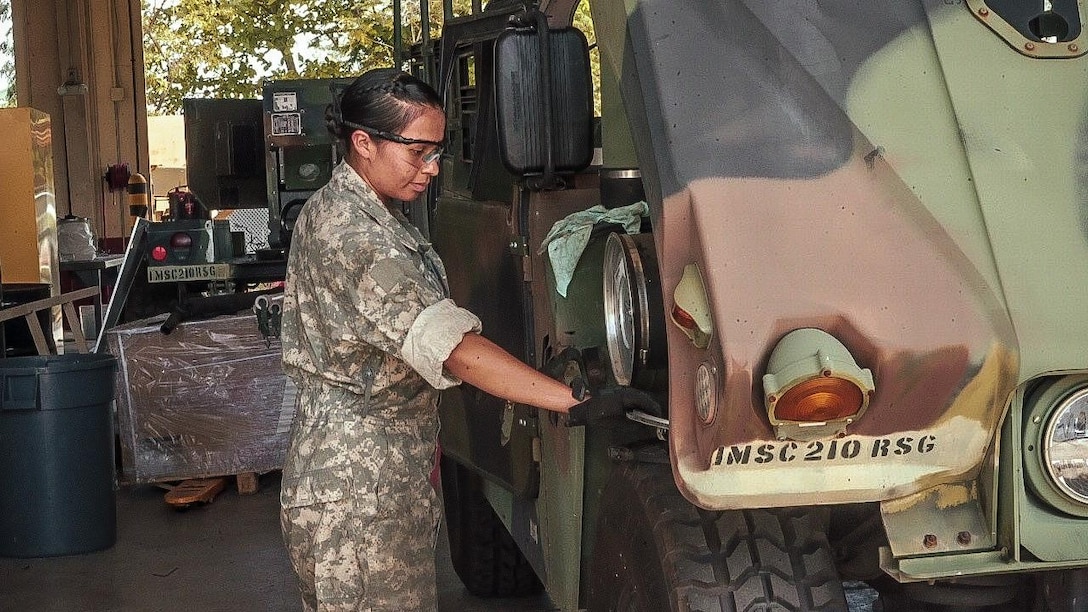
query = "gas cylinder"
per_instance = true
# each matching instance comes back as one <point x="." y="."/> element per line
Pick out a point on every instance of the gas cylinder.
<point x="139" y="198"/>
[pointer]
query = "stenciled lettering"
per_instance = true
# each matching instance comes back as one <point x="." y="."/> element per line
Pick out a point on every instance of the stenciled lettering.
<point x="765" y="453"/>
<point x="185" y="273"/>
<point x="851" y="448"/>
<point x="738" y="456"/>
<point x="786" y="453"/>
<point x="821" y="450"/>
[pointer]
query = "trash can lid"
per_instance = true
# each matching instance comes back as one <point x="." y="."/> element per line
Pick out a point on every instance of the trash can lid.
<point x="57" y="363"/>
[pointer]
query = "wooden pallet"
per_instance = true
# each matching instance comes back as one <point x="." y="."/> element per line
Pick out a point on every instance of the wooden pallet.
<point x="195" y="491"/>
<point x="204" y="490"/>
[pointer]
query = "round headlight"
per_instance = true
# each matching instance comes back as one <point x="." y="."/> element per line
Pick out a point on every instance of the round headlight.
<point x="1065" y="446"/>
<point x="1056" y="444"/>
<point x="633" y="318"/>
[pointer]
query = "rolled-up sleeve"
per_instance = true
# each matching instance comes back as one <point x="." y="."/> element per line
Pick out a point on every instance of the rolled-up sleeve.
<point x="434" y="334"/>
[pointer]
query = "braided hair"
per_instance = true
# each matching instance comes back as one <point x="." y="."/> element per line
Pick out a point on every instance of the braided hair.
<point x="385" y="99"/>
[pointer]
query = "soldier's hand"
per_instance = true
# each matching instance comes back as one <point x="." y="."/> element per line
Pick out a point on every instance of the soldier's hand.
<point x="609" y="402"/>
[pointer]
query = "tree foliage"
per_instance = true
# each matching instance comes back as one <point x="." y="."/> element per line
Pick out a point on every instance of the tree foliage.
<point x="7" y="56"/>
<point x="228" y="48"/>
<point x="584" y="22"/>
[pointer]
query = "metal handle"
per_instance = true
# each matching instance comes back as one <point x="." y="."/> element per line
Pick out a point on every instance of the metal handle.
<point x="10" y="403"/>
<point x="646" y="418"/>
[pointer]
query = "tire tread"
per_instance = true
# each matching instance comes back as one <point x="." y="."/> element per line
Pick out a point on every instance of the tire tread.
<point x="750" y="560"/>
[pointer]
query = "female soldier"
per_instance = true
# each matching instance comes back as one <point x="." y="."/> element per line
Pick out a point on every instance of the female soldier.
<point x="370" y="337"/>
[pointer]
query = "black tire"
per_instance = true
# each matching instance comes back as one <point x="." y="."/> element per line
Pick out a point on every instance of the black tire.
<point x="998" y="593"/>
<point x="1061" y="590"/>
<point x="655" y="551"/>
<point x="484" y="555"/>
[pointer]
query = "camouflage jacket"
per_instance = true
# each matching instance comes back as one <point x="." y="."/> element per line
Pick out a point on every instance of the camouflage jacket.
<point x="365" y="308"/>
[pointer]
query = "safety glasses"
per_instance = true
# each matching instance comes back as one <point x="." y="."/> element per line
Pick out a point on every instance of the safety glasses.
<point x="425" y="157"/>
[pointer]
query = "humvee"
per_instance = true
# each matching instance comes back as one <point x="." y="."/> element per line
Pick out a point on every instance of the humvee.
<point x="844" y="243"/>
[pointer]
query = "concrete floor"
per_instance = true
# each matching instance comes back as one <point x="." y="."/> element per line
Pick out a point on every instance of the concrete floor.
<point x="225" y="556"/>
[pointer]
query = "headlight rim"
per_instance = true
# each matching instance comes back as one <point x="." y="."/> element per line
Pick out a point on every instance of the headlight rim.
<point x="616" y="257"/>
<point x="1041" y="414"/>
<point x="649" y="355"/>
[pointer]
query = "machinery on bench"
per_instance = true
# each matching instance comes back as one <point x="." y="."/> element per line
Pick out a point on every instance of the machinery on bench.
<point x="221" y="247"/>
<point x="258" y="160"/>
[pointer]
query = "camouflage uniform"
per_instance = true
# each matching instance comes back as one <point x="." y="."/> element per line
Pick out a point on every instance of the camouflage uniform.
<point x="366" y="329"/>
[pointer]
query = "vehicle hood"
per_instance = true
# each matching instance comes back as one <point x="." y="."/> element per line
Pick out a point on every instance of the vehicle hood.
<point x="891" y="172"/>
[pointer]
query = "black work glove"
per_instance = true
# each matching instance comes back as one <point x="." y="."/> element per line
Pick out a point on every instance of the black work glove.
<point x="609" y="402"/>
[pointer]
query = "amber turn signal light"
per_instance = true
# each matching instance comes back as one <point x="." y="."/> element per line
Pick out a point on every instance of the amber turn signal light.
<point x="820" y="399"/>
<point x="813" y="388"/>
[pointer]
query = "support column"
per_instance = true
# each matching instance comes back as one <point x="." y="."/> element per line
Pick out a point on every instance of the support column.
<point x="81" y="61"/>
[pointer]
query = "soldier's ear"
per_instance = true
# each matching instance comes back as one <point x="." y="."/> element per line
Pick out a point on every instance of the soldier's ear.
<point x="364" y="144"/>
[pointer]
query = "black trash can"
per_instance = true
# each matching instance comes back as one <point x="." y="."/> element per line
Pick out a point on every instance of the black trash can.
<point x="56" y="455"/>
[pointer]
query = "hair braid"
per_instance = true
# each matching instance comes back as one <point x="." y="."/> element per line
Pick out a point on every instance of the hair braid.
<point x="385" y="99"/>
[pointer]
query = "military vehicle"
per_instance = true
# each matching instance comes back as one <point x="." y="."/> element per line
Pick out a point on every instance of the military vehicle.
<point x="858" y="289"/>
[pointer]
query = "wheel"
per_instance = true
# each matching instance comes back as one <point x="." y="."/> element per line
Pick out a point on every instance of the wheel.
<point x="484" y="555"/>
<point x="656" y="551"/>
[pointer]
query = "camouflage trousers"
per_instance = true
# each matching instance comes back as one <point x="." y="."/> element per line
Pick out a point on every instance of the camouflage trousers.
<point x="361" y="535"/>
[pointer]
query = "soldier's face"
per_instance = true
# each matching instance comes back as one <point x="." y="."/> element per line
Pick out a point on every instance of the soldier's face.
<point x="398" y="171"/>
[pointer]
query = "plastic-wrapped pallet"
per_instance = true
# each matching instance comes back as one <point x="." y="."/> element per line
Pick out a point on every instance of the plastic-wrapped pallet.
<point x="209" y="399"/>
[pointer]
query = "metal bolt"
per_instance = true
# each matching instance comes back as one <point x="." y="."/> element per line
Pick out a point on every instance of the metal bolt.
<point x="1073" y="47"/>
<point x="1030" y="46"/>
<point x="929" y="541"/>
<point x="964" y="538"/>
<point x="983" y="12"/>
